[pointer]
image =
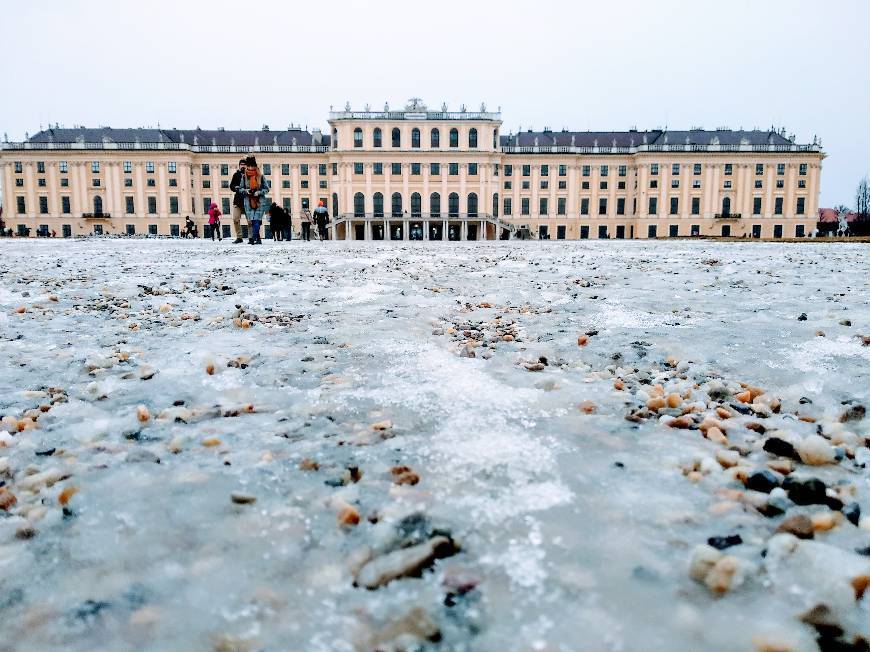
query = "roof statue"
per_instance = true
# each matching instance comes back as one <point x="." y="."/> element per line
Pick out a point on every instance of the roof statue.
<point x="274" y="140"/>
<point x="386" y="107"/>
<point x="483" y="107"/>
<point x="367" y="107"/>
<point x="294" y="141"/>
<point x="195" y="140"/>
<point x="415" y="104"/>
<point x="462" y="108"/>
<point x="444" y="107"/>
<point x="256" y="141"/>
<point x="347" y="106"/>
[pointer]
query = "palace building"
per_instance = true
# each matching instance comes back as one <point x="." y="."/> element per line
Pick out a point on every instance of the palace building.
<point x="421" y="174"/>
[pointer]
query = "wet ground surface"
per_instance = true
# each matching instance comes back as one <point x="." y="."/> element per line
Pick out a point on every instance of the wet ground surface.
<point x="463" y="446"/>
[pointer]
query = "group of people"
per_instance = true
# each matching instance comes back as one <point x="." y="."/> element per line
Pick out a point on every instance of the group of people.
<point x="250" y="197"/>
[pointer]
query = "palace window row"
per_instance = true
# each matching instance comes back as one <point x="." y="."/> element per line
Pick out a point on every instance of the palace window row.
<point x="416" y="138"/>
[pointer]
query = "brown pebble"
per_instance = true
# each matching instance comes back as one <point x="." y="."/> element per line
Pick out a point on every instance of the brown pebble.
<point x="142" y="414"/>
<point x="67" y="494"/>
<point x="587" y="407"/>
<point x="715" y="435"/>
<point x="656" y="403"/>
<point x="7" y="499"/>
<point x="25" y="531"/>
<point x="240" y="498"/>
<point x="860" y="585"/>
<point x="308" y="464"/>
<point x="382" y="425"/>
<point x="681" y="422"/>
<point x="209" y="369"/>
<point x="20" y="309"/>
<point x="674" y="400"/>
<point x="799" y="525"/>
<point x="583" y="340"/>
<point x="211" y="441"/>
<point x="722" y="413"/>
<point x="824" y="521"/>
<point x="744" y="397"/>
<point x="408" y="477"/>
<point x="348" y="516"/>
<point x="507" y="338"/>
<point x="618" y="385"/>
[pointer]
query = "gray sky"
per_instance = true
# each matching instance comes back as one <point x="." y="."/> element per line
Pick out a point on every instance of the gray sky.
<point x="800" y="64"/>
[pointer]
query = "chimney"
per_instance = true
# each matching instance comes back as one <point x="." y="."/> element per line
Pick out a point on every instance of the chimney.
<point x="316" y="137"/>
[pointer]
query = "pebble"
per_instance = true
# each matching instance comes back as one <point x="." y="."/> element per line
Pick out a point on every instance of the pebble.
<point x="404" y="562"/>
<point x="587" y="407"/>
<point x="348" y="516"/>
<point x="382" y="425"/>
<point x="715" y="435"/>
<point x="778" y="446"/>
<point x="854" y="413"/>
<point x="142" y="414"/>
<point x="799" y="525"/>
<point x="824" y="521"/>
<point x="763" y="481"/>
<point x="241" y="498"/>
<point x="210" y="442"/>
<point x="816" y="451"/>
<point x="810" y="491"/>
<point x="582" y="340"/>
<point x="307" y="464"/>
<point x="852" y="512"/>
<point x="724" y="575"/>
<point x="7" y="499"/>
<point x="721" y="543"/>
<point x="66" y="495"/>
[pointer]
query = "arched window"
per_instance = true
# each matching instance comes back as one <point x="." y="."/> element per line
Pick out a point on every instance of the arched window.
<point x="335" y="139"/>
<point x="98" y="205"/>
<point x="453" y="205"/>
<point x="436" y="138"/>
<point x="377" y="137"/>
<point x="472" y="204"/>
<point x="357" y="137"/>
<point x="495" y="204"/>
<point x="415" y="137"/>
<point x="472" y="137"/>
<point x="726" y="206"/>
<point x="397" y="204"/>
<point x="359" y="205"/>
<point x="454" y="137"/>
<point x="397" y="137"/>
<point x="495" y="138"/>
<point x="435" y="205"/>
<point x="416" y="205"/>
<point x="334" y="204"/>
<point x="378" y="204"/>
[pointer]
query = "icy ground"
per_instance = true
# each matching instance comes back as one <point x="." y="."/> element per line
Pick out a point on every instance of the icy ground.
<point x="439" y="446"/>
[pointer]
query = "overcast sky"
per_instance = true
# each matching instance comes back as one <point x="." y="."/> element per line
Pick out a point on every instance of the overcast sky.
<point x="801" y="64"/>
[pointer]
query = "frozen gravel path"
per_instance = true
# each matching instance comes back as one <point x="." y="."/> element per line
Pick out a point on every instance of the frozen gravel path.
<point x="515" y="446"/>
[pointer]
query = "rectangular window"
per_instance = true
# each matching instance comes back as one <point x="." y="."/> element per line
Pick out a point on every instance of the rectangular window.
<point x="286" y="202"/>
<point x="675" y="169"/>
<point x="285" y="169"/>
<point x="285" y="184"/>
<point x="654" y="169"/>
<point x="19" y="168"/>
<point x="584" y="232"/>
<point x="508" y="205"/>
<point x="495" y="170"/>
<point x="602" y="206"/>
<point x="654" y="183"/>
<point x="377" y="168"/>
<point x="149" y="167"/>
<point x="620" y="205"/>
<point x="777" y="206"/>
<point x="173" y="183"/>
<point x="799" y="231"/>
<point x="303" y="183"/>
<point x="675" y="205"/>
<point x="206" y="202"/>
<point x="303" y="169"/>
<point x="128" y="167"/>
<point x="321" y="169"/>
<point x="801" y="202"/>
<point x="64" y="183"/>
<point x="526" y="185"/>
<point x="622" y="170"/>
<point x="756" y="205"/>
<point x="545" y="170"/>
<point x="586" y="170"/>
<point x="416" y="169"/>
<point x="543" y="206"/>
<point x="206" y="183"/>
<point x="653" y="205"/>
<point x="524" y="206"/>
<point x="225" y="205"/>
<point x="563" y="170"/>
<point x="545" y="185"/>
<point x="802" y="183"/>
<point x="696" y="183"/>
<point x="41" y="182"/>
<point x="584" y="185"/>
<point x="43" y="205"/>
<point x="472" y="169"/>
<point x="802" y="169"/>
<point x="172" y="167"/>
<point x="357" y="168"/>
<point x="729" y="169"/>
<point x="780" y="183"/>
<point x="95" y="182"/>
<point x="696" y="205"/>
<point x="453" y="169"/>
<point x="758" y="183"/>
<point x="602" y="185"/>
<point x="604" y="170"/>
<point x="40" y="167"/>
<point x="396" y="169"/>
<point x="206" y="169"/>
<point x="174" y="231"/>
<point x="131" y="229"/>
<point x="62" y="166"/>
<point x="152" y="205"/>
<point x="563" y="185"/>
<point x="128" y="183"/>
<point x="602" y="232"/>
<point x="780" y="168"/>
<point x="651" y="231"/>
<point x="527" y="170"/>
<point x="225" y="169"/>
<point x="323" y="183"/>
<point x="696" y="169"/>
<point x="173" y="205"/>
<point x="561" y="205"/>
<point x="759" y="169"/>
<point x="67" y="230"/>
<point x="334" y="169"/>
<point x="584" y="206"/>
<point x="675" y="183"/>
<point x="727" y="183"/>
<point x="225" y="184"/>
<point x="508" y="170"/>
<point x="129" y="205"/>
<point x="64" y="205"/>
<point x="95" y="167"/>
<point x="435" y="169"/>
<point x="19" y="182"/>
<point x="560" y="232"/>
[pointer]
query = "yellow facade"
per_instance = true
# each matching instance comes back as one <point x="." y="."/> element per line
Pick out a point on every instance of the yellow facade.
<point x="478" y="183"/>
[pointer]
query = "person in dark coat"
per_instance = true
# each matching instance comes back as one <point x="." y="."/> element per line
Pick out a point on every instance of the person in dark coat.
<point x="321" y="219"/>
<point x="238" y="201"/>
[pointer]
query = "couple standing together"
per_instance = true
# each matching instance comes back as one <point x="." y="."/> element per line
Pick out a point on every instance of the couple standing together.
<point x="251" y="188"/>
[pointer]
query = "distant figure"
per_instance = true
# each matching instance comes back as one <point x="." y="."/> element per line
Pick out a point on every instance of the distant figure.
<point x="305" y="219"/>
<point x="189" y="228"/>
<point x="214" y="221"/>
<point x="843" y="223"/>
<point x="279" y="219"/>
<point x="321" y="219"/>
<point x="255" y="189"/>
<point x="238" y="201"/>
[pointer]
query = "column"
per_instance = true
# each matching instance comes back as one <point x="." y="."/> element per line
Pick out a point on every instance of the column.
<point x="425" y="229"/>
<point x="405" y="234"/>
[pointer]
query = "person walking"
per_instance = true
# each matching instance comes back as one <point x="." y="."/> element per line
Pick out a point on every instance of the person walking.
<point x="254" y="189"/>
<point x="238" y="201"/>
<point x="276" y="222"/>
<point x="321" y="219"/>
<point x="305" y="220"/>
<point x="214" y="221"/>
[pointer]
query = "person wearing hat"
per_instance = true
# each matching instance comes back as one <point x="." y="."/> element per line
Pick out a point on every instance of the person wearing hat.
<point x="238" y="201"/>
<point x="321" y="219"/>
<point x="254" y="189"/>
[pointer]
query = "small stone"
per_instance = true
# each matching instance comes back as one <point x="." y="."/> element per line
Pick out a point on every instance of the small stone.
<point x="704" y="557"/>
<point x="307" y="464"/>
<point x="816" y="451"/>
<point x="777" y="446"/>
<point x="721" y="543"/>
<point x="209" y="368"/>
<point x="715" y="435"/>
<point x="618" y="385"/>
<point x="20" y="310"/>
<point x="348" y="516"/>
<point x="507" y="338"/>
<point x="240" y="498"/>
<point x="845" y="322"/>
<point x="802" y="316"/>
<point x="142" y="414"/>
<point x="656" y="403"/>
<point x="724" y="575"/>
<point x="674" y="400"/>
<point x="587" y="407"/>
<point x="854" y="413"/>
<point x="824" y="521"/>
<point x="7" y="499"/>
<point x="781" y="466"/>
<point x="165" y="308"/>
<point x="25" y="531"/>
<point x="682" y="423"/>
<point x="860" y="584"/>
<point x="404" y="562"/>
<point x="210" y="442"/>
<point x="744" y="397"/>
<point x="727" y="458"/>
<point x="534" y="366"/>
<point x="407" y="477"/>
<point x="811" y="491"/>
<point x="763" y="481"/>
<point x="799" y="525"/>
<point x="582" y="340"/>
<point x="66" y="495"/>
<point x="382" y="425"/>
<point x="852" y="512"/>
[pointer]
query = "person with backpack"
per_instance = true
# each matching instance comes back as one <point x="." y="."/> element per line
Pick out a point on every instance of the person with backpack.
<point x="254" y="189"/>
<point x="305" y="220"/>
<point x="214" y="221"/>
<point x="321" y="219"/>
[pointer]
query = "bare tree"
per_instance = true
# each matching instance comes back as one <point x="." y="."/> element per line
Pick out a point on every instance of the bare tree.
<point x="862" y="199"/>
